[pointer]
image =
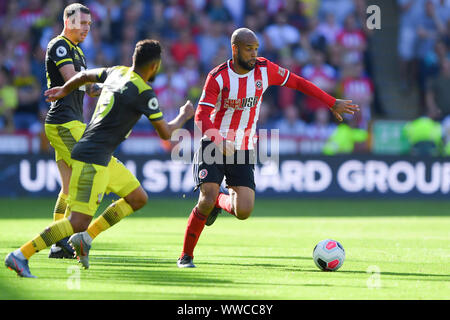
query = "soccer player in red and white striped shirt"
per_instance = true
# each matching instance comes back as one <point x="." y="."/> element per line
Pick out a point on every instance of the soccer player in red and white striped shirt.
<point x="227" y="115"/>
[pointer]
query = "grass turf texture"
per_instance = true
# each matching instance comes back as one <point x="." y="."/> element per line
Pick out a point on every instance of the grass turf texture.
<point x="265" y="257"/>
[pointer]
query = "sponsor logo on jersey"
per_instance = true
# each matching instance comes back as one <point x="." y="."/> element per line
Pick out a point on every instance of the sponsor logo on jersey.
<point x="241" y="104"/>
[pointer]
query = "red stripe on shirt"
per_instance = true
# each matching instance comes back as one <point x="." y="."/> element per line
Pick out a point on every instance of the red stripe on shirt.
<point x="237" y="114"/>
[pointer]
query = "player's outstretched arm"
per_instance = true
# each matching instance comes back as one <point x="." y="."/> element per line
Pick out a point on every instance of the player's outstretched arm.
<point x="165" y="129"/>
<point x="337" y="106"/>
<point x="79" y="79"/>
<point x="343" y="106"/>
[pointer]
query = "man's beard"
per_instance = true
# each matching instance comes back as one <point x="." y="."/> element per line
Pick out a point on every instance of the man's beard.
<point x="244" y="64"/>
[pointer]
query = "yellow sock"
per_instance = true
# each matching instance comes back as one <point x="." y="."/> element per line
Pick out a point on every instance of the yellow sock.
<point x="53" y="233"/>
<point x="60" y="207"/>
<point x="113" y="214"/>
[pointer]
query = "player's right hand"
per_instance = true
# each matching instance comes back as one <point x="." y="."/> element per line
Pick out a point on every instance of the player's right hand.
<point x="187" y="110"/>
<point x="227" y="147"/>
<point x="55" y="93"/>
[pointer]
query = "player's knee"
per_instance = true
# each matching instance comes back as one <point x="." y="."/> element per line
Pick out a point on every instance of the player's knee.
<point x="79" y="221"/>
<point x="242" y="215"/>
<point x="208" y="198"/>
<point x="243" y="212"/>
<point x="206" y="204"/>
<point x="139" y="201"/>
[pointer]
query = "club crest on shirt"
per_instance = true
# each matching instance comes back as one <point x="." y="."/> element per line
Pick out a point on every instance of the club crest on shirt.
<point x="203" y="173"/>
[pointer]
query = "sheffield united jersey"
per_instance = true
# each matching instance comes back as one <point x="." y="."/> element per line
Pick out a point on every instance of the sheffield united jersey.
<point x="237" y="98"/>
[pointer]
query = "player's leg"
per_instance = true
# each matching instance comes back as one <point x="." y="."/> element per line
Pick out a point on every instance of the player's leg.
<point x="208" y="178"/>
<point x="61" y="203"/>
<point x="18" y="260"/>
<point x="88" y="185"/>
<point x="132" y="198"/>
<point x="196" y="222"/>
<point x="86" y="188"/>
<point x="241" y="201"/>
<point x="63" y="137"/>
<point x="241" y="185"/>
<point x="62" y="249"/>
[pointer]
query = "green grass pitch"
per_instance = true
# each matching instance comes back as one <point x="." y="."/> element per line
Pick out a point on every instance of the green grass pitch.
<point x="394" y="250"/>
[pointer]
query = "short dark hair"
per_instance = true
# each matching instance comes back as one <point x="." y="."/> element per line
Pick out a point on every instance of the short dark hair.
<point x="73" y="8"/>
<point x="146" y="51"/>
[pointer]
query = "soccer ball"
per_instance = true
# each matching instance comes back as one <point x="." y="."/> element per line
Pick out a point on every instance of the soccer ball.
<point x="329" y="255"/>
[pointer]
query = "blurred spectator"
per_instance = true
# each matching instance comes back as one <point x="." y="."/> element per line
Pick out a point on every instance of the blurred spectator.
<point x="281" y="34"/>
<point x="236" y="9"/>
<point x="329" y="29"/>
<point x="27" y="115"/>
<point x="351" y="41"/>
<point x="322" y="127"/>
<point x="8" y="101"/>
<point x="424" y="136"/>
<point x="185" y="47"/>
<point x="356" y="86"/>
<point x="344" y="139"/>
<point x="339" y="8"/>
<point x="171" y="90"/>
<point x="209" y="41"/>
<point x="429" y="29"/>
<point x="218" y="12"/>
<point x="291" y="124"/>
<point x="410" y="11"/>
<point x="29" y="14"/>
<point x="437" y="94"/>
<point x="322" y="75"/>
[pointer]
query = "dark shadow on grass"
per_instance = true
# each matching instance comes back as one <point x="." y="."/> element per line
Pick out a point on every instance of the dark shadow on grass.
<point x="151" y="271"/>
<point x="273" y="257"/>
<point x="281" y="267"/>
<point x="444" y="277"/>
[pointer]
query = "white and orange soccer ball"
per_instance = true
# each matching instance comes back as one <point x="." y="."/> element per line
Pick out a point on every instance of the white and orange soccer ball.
<point x="329" y="255"/>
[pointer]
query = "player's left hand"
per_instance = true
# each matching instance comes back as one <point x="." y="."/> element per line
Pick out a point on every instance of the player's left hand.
<point x="343" y="106"/>
<point x="94" y="90"/>
<point x="187" y="110"/>
<point x="55" y="93"/>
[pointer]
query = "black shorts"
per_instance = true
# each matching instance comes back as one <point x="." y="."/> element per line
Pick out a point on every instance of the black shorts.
<point x="210" y="165"/>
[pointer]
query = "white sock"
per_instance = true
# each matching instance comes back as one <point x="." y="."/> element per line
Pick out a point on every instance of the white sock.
<point x="19" y="254"/>
<point x="86" y="237"/>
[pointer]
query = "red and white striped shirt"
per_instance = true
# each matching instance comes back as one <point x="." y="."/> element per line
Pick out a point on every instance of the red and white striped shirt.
<point x="237" y="98"/>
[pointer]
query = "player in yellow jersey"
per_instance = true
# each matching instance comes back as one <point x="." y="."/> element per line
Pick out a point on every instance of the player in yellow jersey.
<point x="64" y="124"/>
<point x="125" y="97"/>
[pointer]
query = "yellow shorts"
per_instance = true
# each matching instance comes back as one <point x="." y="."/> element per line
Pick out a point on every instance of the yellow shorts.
<point x="63" y="137"/>
<point x="89" y="183"/>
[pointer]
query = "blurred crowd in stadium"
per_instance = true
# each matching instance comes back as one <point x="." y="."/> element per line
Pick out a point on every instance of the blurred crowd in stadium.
<point x="325" y="41"/>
